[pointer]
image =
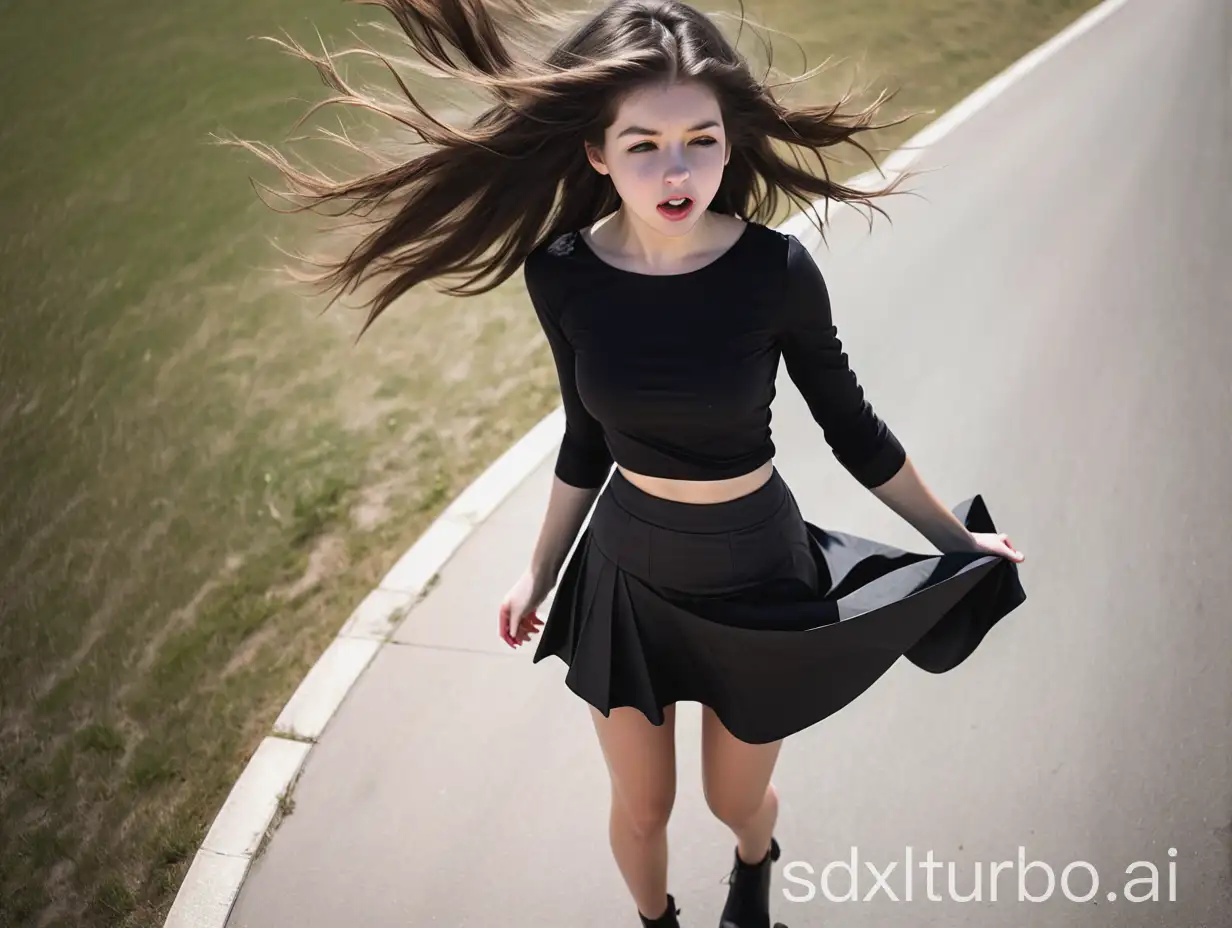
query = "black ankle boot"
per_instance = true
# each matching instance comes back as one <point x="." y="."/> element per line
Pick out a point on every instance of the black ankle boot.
<point x="666" y="920"/>
<point x="748" y="900"/>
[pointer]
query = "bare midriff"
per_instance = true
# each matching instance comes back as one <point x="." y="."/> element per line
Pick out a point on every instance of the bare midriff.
<point x="700" y="491"/>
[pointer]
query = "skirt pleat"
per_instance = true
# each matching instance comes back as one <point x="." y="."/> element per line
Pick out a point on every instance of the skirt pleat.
<point x="771" y="621"/>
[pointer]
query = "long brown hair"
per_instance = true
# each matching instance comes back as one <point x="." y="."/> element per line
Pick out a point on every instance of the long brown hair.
<point x="481" y="198"/>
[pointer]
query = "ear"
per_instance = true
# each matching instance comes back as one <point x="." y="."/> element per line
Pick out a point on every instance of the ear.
<point x="595" y="157"/>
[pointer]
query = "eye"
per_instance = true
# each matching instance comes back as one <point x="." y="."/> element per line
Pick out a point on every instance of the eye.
<point x="706" y="141"/>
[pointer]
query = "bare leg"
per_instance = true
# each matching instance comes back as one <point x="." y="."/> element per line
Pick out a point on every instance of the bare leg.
<point x="641" y="759"/>
<point x="736" y="780"/>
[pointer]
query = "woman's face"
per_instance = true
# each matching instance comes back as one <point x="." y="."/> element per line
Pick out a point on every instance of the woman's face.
<point x="666" y="143"/>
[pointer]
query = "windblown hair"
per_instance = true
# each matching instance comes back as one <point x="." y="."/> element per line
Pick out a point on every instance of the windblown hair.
<point x="480" y="199"/>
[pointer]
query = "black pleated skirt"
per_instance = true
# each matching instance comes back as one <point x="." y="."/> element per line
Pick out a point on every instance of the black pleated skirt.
<point x="745" y="607"/>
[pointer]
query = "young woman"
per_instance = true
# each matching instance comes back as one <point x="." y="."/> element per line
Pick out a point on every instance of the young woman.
<point x="629" y="171"/>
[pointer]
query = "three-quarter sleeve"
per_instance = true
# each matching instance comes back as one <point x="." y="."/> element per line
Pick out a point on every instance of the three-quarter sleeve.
<point x="584" y="459"/>
<point x="817" y="364"/>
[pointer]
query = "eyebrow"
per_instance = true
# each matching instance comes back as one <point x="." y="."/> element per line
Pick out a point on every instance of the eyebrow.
<point x="638" y="130"/>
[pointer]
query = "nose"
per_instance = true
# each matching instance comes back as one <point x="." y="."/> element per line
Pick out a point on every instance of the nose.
<point x="677" y="171"/>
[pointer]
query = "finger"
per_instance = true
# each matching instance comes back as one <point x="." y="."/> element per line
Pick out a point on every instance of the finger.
<point x="522" y="631"/>
<point x="509" y="633"/>
<point x="502" y="623"/>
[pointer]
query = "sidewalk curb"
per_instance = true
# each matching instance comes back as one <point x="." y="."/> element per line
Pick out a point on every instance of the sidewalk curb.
<point x="219" y="868"/>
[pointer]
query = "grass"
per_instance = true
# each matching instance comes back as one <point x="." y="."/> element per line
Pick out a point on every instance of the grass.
<point x="202" y="476"/>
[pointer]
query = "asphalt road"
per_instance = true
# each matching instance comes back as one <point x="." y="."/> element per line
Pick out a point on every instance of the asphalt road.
<point x="1050" y="325"/>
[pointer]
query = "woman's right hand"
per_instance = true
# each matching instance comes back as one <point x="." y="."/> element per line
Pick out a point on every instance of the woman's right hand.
<point x="518" y="620"/>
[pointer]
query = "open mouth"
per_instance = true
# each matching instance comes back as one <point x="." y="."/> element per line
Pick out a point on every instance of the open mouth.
<point x="676" y="207"/>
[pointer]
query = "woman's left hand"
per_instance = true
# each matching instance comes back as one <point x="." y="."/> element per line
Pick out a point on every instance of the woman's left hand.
<point x="998" y="544"/>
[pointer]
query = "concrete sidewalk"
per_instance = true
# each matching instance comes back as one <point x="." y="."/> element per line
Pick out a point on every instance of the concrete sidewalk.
<point x="1035" y="331"/>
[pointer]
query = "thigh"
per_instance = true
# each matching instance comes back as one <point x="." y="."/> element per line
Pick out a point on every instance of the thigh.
<point x="641" y="758"/>
<point x="735" y="774"/>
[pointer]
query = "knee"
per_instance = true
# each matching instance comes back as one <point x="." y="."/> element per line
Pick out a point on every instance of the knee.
<point x="733" y="809"/>
<point x="647" y="816"/>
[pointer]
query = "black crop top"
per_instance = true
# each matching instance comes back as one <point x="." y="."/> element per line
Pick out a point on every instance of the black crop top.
<point x="672" y="375"/>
